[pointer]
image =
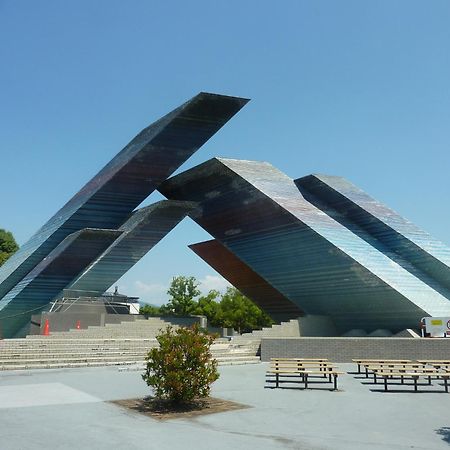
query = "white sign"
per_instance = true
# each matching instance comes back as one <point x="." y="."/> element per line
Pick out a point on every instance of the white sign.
<point x="436" y="326"/>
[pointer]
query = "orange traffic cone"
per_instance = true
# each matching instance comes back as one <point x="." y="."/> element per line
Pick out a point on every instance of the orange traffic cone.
<point x="78" y="325"/>
<point x="46" y="328"/>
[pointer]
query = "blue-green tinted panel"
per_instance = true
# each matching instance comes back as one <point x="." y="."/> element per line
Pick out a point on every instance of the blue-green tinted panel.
<point x="247" y="280"/>
<point x="142" y="231"/>
<point x="345" y="201"/>
<point x="51" y="276"/>
<point x="108" y="199"/>
<point x="258" y="213"/>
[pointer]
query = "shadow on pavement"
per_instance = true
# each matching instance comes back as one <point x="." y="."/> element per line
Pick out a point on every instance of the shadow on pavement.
<point x="444" y="432"/>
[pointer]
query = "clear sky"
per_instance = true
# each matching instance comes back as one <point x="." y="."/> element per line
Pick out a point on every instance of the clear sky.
<point x="352" y="88"/>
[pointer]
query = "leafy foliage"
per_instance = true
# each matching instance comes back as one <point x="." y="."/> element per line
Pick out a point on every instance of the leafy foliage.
<point x="241" y="313"/>
<point x="150" y="310"/>
<point x="181" y="369"/>
<point x="182" y="292"/>
<point x="231" y="309"/>
<point x="8" y="245"/>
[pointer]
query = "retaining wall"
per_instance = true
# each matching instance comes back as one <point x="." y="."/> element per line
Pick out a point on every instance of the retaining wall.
<point x="343" y="349"/>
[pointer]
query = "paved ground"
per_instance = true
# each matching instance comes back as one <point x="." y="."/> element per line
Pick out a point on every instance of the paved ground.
<point x="68" y="409"/>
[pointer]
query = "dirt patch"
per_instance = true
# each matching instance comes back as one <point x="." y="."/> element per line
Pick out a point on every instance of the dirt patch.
<point x="162" y="410"/>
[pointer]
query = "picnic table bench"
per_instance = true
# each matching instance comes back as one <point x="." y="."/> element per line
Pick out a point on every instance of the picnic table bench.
<point x="434" y="361"/>
<point x="300" y="359"/>
<point x="302" y="369"/>
<point x="408" y="369"/>
<point x="414" y="375"/>
<point x="322" y="365"/>
<point x="359" y="362"/>
<point x="369" y="367"/>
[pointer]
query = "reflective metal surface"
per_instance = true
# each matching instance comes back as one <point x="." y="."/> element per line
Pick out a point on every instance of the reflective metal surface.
<point x="246" y="280"/>
<point x="107" y="200"/>
<point x="344" y="201"/>
<point x="50" y="276"/>
<point x="111" y="196"/>
<point x="141" y="232"/>
<point x="322" y="266"/>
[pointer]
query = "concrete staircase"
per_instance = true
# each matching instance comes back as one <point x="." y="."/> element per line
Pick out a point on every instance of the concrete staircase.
<point x="284" y="329"/>
<point x="124" y="344"/>
<point x="139" y="329"/>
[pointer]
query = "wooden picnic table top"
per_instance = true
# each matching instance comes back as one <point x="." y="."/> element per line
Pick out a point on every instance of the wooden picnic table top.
<point x="299" y="359"/>
<point x="303" y="370"/>
<point x="392" y="364"/>
<point x="399" y="369"/>
<point x="434" y="361"/>
<point x="413" y="374"/>
<point x="297" y="363"/>
<point x="382" y="360"/>
<point x="304" y="366"/>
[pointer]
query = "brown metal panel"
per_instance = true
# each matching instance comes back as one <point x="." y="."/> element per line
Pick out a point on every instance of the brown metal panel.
<point x="246" y="280"/>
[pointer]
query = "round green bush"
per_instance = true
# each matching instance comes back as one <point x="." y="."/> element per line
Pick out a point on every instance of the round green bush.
<point x="182" y="368"/>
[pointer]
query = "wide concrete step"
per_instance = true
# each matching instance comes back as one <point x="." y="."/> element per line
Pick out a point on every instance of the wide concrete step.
<point x="106" y="349"/>
<point x="135" y="365"/>
<point x="99" y="362"/>
<point x="72" y="342"/>
<point x="74" y="353"/>
<point x="58" y="365"/>
<point x="74" y="359"/>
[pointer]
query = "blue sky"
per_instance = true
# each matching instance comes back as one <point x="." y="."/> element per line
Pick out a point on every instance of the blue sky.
<point x="353" y="88"/>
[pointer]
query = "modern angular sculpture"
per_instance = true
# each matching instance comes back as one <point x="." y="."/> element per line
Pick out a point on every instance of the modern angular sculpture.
<point x="321" y="265"/>
<point x="141" y="232"/>
<point x="246" y="280"/>
<point x="345" y="201"/>
<point x="109" y="198"/>
<point x="316" y="245"/>
<point x="51" y="276"/>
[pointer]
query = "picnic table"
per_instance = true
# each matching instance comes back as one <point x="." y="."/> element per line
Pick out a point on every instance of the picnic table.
<point x="415" y="376"/>
<point x="360" y="362"/>
<point x="293" y="368"/>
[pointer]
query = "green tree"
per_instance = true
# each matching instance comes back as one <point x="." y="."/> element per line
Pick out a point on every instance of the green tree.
<point x="8" y="245"/>
<point x="181" y="369"/>
<point x="150" y="310"/>
<point x="241" y="313"/>
<point x="207" y="305"/>
<point x="182" y="292"/>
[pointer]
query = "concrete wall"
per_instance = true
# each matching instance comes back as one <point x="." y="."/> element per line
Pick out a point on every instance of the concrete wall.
<point x="186" y="321"/>
<point x="68" y="321"/>
<point x="344" y="349"/>
<point x="65" y="321"/>
<point x="315" y="325"/>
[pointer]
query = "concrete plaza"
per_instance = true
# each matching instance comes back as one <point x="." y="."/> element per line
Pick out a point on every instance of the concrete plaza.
<point x="69" y="409"/>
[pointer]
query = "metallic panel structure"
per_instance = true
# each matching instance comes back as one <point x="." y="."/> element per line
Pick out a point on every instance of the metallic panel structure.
<point x="246" y="280"/>
<point x="316" y="245"/>
<point x="344" y="200"/>
<point x="325" y="268"/>
<point x="141" y="232"/>
<point x="52" y="275"/>
<point x="108" y="199"/>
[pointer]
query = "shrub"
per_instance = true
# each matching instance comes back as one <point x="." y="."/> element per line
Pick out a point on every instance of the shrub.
<point x="181" y="369"/>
